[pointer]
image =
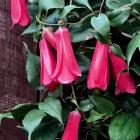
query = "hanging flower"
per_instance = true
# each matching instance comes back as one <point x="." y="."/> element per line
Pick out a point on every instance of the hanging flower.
<point x="67" y="69"/>
<point x="124" y="81"/>
<point x="98" y="76"/>
<point x="72" y="127"/>
<point x="19" y="12"/>
<point x="48" y="64"/>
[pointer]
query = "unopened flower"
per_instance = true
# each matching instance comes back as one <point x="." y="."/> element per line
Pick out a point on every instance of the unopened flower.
<point x="72" y="127"/>
<point x="98" y="76"/>
<point x="124" y="81"/>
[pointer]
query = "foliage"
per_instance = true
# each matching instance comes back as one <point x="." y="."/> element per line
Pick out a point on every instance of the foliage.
<point x="104" y="116"/>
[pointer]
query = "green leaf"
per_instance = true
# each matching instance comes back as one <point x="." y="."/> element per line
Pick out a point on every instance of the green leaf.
<point x="21" y="110"/>
<point x="103" y="105"/>
<point x="94" y="116"/>
<point x="86" y="105"/>
<point x="52" y="107"/>
<point x="81" y="34"/>
<point x="115" y="4"/>
<point x="83" y="62"/>
<point x="53" y="18"/>
<point x="67" y="9"/>
<point x="136" y="69"/>
<point x="32" y="120"/>
<point x="119" y="16"/>
<point x="124" y="127"/>
<point x="33" y="70"/>
<point x="101" y="24"/>
<point x="117" y="50"/>
<point x="46" y="131"/>
<point x="50" y="4"/>
<point x="85" y="3"/>
<point x="132" y="46"/>
<point x="81" y="31"/>
<point x="33" y="10"/>
<point x="31" y="29"/>
<point x="56" y="93"/>
<point x="33" y="1"/>
<point x="6" y="115"/>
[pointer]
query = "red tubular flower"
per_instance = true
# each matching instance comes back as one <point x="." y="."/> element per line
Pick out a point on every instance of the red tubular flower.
<point x="67" y="69"/>
<point x="48" y="64"/>
<point x="72" y="127"/>
<point x="19" y="12"/>
<point x="98" y="76"/>
<point x="124" y="82"/>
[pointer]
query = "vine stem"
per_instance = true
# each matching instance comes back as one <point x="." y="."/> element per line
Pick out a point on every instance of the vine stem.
<point x="101" y="6"/>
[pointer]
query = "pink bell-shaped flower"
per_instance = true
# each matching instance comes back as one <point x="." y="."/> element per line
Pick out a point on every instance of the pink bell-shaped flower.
<point x="19" y="12"/>
<point x="67" y="69"/>
<point x="124" y="81"/>
<point x="48" y="64"/>
<point x="72" y="127"/>
<point x="98" y="76"/>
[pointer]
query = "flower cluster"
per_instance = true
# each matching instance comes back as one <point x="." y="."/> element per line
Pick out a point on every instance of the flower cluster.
<point x="60" y="66"/>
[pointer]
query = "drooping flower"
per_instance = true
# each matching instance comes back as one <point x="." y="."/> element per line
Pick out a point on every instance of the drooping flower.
<point x="124" y="81"/>
<point x="98" y="76"/>
<point x="67" y="69"/>
<point x="19" y="12"/>
<point x="49" y="36"/>
<point x="72" y="127"/>
<point x="48" y="64"/>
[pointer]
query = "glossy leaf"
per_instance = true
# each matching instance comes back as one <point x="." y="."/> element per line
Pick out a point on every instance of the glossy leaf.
<point x="101" y="24"/>
<point x="52" y="107"/>
<point x="124" y="127"/>
<point x="31" y="29"/>
<point x="6" y="115"/>
<point x="21" y="110"/>
<point x="86" y="105"/>
<point x="50" y="4"/>
<point x="132" y="46"/>
<point x="85" y="3"/>
<point x="115" y="4"/>
<point x="117" y="50"/>
<point x="46" y="131"/>
<point x="119" y="16"/>
<point x="83" y="62"/>
<point x="94" y="116"/>
<point x="104" y="105"/>
<point x="32" y="120"/>
<point x="67" y="9"/>
<point x="33" y="70"/>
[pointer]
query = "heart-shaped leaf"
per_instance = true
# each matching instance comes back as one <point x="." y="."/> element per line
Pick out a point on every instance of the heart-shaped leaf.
<point x="101" y="24"/>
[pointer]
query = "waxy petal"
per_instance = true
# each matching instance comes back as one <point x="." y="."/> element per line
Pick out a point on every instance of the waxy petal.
<point x="67" y="68"/>
<point x="25" y="18"/>
<point x="49" y="36"/>
<point x="48" y="62"/>
<point x="15" y="11"/>
<point x="124" y="81"/>
<point x="72" y="127"/>
<point x="98" y="76"/>
<point x="68" y="51"/>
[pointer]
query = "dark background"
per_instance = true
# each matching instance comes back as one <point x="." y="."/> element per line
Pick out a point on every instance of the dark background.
<point x="14" y="87"/>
